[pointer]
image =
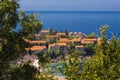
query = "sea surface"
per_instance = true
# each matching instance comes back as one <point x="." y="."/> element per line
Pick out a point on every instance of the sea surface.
<point x="80" y="21"/>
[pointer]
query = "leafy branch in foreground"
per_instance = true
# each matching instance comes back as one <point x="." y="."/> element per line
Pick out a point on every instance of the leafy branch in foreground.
<point x="104" y="65"/>
<point x="11" y="41"/>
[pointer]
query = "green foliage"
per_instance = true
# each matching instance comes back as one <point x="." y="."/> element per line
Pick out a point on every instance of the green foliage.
<point x="91" y="35"/>
<point x="53" y="31"/>
<point x="25" y="72"/>
<point x="66" y="32"/>
<point x="70" y="37"/>
<point x="89" y="49"/>
<point x="45" y="77"/>
<point x="72" y="48"/>
<point x="42" y="37"/>
<point x="72" y="66"/>
<point x="8" y="15"/>
<point x="11" y="41"/>
<point x="30" y="24"/>
<point x="28" y="72"/>
<point x="104" y="65"/>
<point x="44" y="58"/>
<point x="51" y="41"/>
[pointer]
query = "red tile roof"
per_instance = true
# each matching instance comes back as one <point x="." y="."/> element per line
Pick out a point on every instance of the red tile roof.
<point x="58" y="44"/>
<point x="61" y="44"/>
<point x="44" y="31"/>
<point x="61" y="34"/>
<point x="36" y="48"/>
<point x="37" y="41"/>
<point x="75" y="40"/>
<point x="88" y="41"/>
<point x="51" y="36"/>
<point x="51" y="45"/>
<point x="26" y="40"/>
<point x="81" y="46"/>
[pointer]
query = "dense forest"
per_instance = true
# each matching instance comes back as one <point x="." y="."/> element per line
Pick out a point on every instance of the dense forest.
<point x="103" y="65"/>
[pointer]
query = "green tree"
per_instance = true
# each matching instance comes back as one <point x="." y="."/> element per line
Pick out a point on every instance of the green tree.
<point x="66" y="32"/>
<point x="25" y="72"/>
<point x="91" y="35"/>
<point x="53" y="31"/>
<point x="11" y="41"/>
<point x="45" y="77"/>
<point x="72" y="66"/>
<point x="89" y="49"/>
<point x="30" y="24"/>
<point x="28" y="72"/>
<point x="104" y="65"/>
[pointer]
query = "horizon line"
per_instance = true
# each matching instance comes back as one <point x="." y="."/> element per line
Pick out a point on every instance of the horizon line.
<point x="71" y="10"/>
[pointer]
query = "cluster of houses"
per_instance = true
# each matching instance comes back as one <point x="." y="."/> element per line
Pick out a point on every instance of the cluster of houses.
<point x="62" y="41"/>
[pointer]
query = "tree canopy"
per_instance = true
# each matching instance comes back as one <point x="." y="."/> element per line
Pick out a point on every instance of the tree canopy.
<point x="11" y="40"/>
<point x="104" y="65"/>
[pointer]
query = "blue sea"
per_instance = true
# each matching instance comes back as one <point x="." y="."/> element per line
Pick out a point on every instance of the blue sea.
<point x="80" y="21"/>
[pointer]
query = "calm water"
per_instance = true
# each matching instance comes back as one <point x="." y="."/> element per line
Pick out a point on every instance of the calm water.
<point x="54" y="67"/>
<point x="85" y="22"/>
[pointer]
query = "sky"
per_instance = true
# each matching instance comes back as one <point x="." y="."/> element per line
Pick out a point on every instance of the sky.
<point x="70" y="5"/>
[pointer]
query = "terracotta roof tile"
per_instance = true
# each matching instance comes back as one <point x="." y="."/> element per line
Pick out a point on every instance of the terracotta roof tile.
<point x="64" y="40"/>
<point x="44" y="31"/>
<point x="51" y="45"/>
<point x="61" y="34"/>
<point x="51" y="36"/>
<point x="36" y="48"/>
<point x="81" y="46"/>
<point x="26" y="40"/>
<point x="61" y="44"/>
<point x="58" y="44"/>
<point x="75" y="40"/>
<point x="88" y="41"/>
<point x="37" y="41"/>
